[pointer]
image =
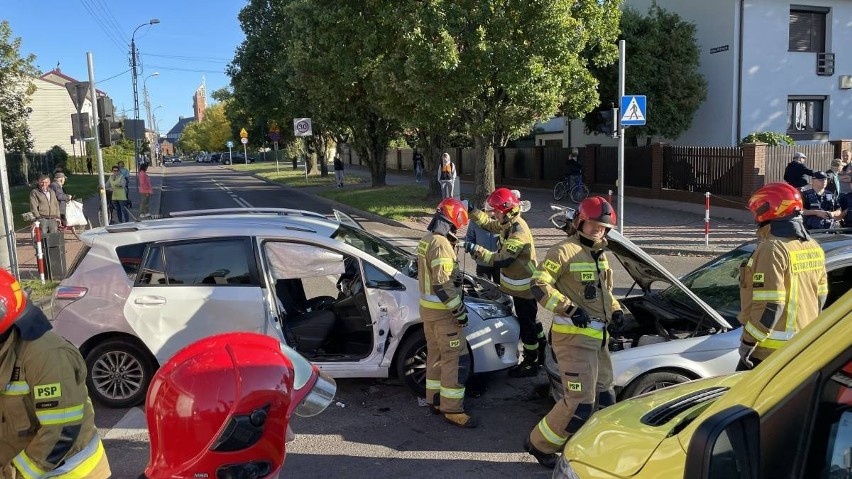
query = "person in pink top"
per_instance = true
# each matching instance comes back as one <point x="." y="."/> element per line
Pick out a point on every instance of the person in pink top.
<point x="144" y="190"/>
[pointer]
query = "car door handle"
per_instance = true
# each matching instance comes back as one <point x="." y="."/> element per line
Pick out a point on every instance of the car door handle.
<point x="150" y="300"/>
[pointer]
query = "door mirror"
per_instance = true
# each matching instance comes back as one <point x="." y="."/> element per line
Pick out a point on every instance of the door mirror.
<point x="727" y="444"/>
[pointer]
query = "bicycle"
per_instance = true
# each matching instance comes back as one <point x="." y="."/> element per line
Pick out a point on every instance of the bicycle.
<point x="577" y="192"/>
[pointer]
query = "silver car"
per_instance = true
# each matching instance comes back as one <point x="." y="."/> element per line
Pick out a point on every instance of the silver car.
<point x="344" y="298"/>
<point x="682" y="329"/>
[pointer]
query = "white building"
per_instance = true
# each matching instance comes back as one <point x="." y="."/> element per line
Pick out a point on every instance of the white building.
<point x="50" y="119"/>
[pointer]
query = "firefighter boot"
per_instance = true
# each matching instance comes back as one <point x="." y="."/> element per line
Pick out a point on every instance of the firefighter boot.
<point x="547" y="460"/>
<point x="528" y="366"/>
<point x="542" y="350"/>
<point x="460" y="419"/>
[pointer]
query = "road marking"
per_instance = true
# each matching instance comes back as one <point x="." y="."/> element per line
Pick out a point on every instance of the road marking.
<point x="132" y="424"/>
<point x="243" y="203"/>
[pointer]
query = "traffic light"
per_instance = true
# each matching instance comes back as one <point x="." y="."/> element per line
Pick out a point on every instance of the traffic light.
<point x="105" y="108"/>
<point x="605" y="122"/>
<point x="109" y="132"/>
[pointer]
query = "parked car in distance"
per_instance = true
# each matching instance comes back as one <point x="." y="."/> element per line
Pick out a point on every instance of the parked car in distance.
<point x="682" y="329"/>
<point x="341" y="296"/>
<point x="214" y="157"/>
<point x="238" y="158"/>
<point x="171" y="159"/>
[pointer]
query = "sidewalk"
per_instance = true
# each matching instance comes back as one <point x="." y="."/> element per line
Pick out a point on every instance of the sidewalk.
<point x="27" y="263"/>
<point x="659" y="227"/>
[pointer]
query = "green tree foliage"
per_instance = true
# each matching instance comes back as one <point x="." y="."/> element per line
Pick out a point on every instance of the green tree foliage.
<point x="671" y="81"/>
<point x="15" y="90"/>
<point x="769" y="137"/>
<point x="58" y="154"/>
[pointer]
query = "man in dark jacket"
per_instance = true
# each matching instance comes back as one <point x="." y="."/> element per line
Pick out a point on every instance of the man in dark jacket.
<point x="796" y="172"/>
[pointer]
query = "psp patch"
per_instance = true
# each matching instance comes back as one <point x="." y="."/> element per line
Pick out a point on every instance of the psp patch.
<point x="576" y="387"/>
<point x="454" y="343"/>
<point x="587" y="276"/>
<point x="757" y="280"/>
<point x="47" y="391"/>
<point x="551" y="266"/>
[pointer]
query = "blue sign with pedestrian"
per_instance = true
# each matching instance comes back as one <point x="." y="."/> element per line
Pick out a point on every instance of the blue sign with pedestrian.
<point x="229" y="144"/>
<point x="633" y="110"/>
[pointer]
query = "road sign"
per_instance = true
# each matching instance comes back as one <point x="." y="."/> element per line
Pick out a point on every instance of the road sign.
<point x="78" y="91"/>
<point x="243" y="140"/>
<point x="229" y="144"/>
<point x="633" y="110"/>
<point x="243" y="133"/>
<point x="302" y="127"/>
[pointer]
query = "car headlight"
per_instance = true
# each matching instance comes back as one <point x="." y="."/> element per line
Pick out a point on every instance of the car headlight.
<point x="563" y="470"/>
<point x="489" y="310"/>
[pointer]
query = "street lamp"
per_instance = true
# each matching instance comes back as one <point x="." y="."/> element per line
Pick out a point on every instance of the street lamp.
<point x="152" y="21"/>
<point x="148" y="115"/>
<point x="156" y="126"/>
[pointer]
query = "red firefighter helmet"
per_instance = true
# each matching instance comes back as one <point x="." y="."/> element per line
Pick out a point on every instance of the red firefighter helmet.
<point x="504" y="201"/>
<point x="221" y="406"/>
<point x="775" y="200"/>
<point x="453" y="210"/>
<point x="12" y="300"/>
<point x="595" y="208"/>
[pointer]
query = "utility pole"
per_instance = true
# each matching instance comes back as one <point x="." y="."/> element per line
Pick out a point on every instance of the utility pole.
<point x="8" y="248"/>
<point x="97" y="145"/>
<point x="133" y="63"/>
<point x="622" y="59"/>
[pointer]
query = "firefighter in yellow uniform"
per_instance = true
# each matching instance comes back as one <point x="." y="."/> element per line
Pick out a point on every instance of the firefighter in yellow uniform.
<point x="444" y="314"/>
<point x="783" y="286"/>
<point x="517" y="262"/>
<point x="574" y="281"/>
<point x="47" y="424"/>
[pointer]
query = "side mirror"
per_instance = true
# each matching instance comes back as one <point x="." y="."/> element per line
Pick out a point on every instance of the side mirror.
<point x="727" y="444"/>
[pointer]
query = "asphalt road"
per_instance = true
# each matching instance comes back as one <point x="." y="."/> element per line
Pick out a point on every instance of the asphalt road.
<point x="375" y="428"/>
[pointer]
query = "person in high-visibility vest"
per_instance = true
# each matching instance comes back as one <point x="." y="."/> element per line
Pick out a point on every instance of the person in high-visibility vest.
<point x="444" y="314"/>
<point x="574" y="281"/>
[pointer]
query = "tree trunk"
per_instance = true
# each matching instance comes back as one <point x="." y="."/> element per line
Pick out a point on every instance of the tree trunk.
<point x="484" y="172"/>
<point x="432" y="151"/>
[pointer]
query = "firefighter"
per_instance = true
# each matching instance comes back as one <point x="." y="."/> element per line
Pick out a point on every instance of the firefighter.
<point x="783" y="285"/>
<point x="47" y="424"/>
<point x="444" y="314"/>
<point x="575" y="282"/>
<point x="517" y="261"/>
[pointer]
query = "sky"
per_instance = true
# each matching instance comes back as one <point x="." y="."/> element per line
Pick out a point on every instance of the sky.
<point x="194" y="39"/>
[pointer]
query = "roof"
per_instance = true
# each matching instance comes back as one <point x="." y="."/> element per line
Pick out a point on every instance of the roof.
<point x="177" y="130"/>
<point x="56" y="77"/>
<point x="553" y="125"/>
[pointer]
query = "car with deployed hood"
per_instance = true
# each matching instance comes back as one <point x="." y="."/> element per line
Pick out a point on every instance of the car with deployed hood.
<point x="344" y="298"/>
<point x="679" y="330"/>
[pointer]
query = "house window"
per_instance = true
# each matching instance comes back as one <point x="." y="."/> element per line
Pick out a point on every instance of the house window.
<point x="807" y="29"/>
<point x="805" y="116"/>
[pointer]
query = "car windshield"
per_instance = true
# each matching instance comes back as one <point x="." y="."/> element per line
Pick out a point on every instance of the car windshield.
<point x="717" y="283"/>
<point x="375" y="247"/>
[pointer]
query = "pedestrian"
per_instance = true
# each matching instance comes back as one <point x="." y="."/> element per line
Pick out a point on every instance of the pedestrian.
<point x="833" y="174"/>
<point x="338" y="167"/>
<point x="444" y="314"/>
<point x="48" y="423"/>
<point x="575" y="282"/>
<point x="447" y="176"/>
<point x="573" y="169"/>
<point x="796" y="171"/>
<point x="516" y="260"/>
<point x="58" y="187"/>
<point x="783" y="285"/>
<point x="126" y="174"/>
<point x="418" y="165"/>
<point x="820" y="207"/>
<point x="89" y="165"/>
<point x="44" y="205"/>
<point x="118" y="185"/>
<point x="489" y="241"/>
<point x="145" y="190"/>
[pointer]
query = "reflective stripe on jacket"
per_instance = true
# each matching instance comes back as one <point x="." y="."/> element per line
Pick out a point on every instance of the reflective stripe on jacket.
<point x="516" y="254"/>
<point x="437" y="265"/>
<point x="783" y="287"/>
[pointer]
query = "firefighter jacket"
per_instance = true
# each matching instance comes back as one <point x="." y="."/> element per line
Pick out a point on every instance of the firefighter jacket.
<point x="574" y="275"/>
<point x="515" y="256"/>
<point x="783" y="286"/>
<point x="438" y="269"/>
<point x="46" y="419"/>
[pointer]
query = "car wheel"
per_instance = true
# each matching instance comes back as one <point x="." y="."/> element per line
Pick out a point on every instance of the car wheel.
<point x="119" y="373"/>
<point x="411" y="362"/>
<point x="652" y="382"/>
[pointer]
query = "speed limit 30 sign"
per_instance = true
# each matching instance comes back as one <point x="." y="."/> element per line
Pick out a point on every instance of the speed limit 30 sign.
<point x="302" y="127"/>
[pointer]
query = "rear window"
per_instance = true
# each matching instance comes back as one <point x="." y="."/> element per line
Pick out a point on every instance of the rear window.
<point x="79" y="259"/>
<point x="130" y="257"/>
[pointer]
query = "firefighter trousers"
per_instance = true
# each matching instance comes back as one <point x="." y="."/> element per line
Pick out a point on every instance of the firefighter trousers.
<point x="587" y="381"/>
<point x="447" y="364"/>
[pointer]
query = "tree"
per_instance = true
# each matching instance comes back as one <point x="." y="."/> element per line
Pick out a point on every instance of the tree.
<point x="15" y="91"/>
<point x="672" y="83"/>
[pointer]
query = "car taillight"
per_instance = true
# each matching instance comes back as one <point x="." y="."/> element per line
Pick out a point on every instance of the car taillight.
<point x="318" y="397"/>
<point x="70" y="293"/>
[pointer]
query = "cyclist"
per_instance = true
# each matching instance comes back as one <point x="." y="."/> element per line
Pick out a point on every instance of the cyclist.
<point x="574" y="170"/>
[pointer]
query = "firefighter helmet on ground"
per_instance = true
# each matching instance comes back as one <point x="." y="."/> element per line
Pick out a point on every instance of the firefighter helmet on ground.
<point x="775" y="200"/>
<point x="595" y="208"/>
<point x="454" y="211"/>
<point x="504" y="201"/>
<point x="12" y="301"/>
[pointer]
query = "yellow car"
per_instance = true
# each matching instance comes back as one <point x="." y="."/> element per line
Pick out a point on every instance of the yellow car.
<point x="790" y="417"/>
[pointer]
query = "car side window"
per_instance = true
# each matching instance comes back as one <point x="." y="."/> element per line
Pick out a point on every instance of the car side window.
<point x="839" y="282"/>
<point x="377" y="278"/>
<point x="130" y="257"/>
<point x="205" y="263"/>
<point x="831" y="447"/>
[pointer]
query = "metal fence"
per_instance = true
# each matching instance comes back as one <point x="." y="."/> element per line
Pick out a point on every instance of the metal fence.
<point x="718" y="170"/>
<point x="637" y="166"/>
<point x="26" y="168"/>
<point x="778" y="157"/>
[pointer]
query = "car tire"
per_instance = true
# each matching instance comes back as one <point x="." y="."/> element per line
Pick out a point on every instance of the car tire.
<point x="411" y="362"/>
<point x="119" y="373"/>
<point x="653" y="381"/>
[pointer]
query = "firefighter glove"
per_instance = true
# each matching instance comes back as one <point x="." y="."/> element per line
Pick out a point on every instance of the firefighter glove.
<point x="617" y="321"/>
<point x="580" y="318"/>
<point x="461" y="319"/>
<point x="470" y="247"/>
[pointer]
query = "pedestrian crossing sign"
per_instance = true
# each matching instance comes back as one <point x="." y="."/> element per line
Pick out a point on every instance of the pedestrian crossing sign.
<point x="633" y="110"/>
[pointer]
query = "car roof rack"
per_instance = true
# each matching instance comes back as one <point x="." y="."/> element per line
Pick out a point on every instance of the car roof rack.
<point x="230" y="211"/>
